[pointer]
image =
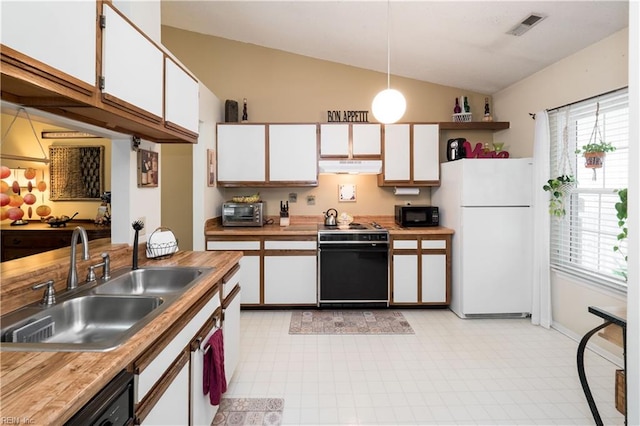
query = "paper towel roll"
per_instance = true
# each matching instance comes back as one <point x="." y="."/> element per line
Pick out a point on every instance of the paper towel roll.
<point x="406" y="191"/>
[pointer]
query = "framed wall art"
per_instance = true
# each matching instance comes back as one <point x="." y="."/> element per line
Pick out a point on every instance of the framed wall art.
<point x="148" y="169"/>
<point x="347" y="192"/>
<point x="76" y="172"/>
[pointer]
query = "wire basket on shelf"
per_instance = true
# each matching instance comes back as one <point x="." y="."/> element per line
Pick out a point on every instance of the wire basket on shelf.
<point x="162" y="243"/>
<point x="463" y="117"/>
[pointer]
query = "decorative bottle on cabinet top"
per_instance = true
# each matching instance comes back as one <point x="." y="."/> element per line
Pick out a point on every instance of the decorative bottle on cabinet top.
<point x="487" y="112"/>
<point x="245" y="115"/>
<point x="457" y="109"/>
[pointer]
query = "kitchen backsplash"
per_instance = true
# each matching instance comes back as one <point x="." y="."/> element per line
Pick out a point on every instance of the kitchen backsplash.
<point x="370" y="199"/>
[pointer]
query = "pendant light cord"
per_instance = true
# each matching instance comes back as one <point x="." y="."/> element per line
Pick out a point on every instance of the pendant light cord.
<point x="388" y="47"/>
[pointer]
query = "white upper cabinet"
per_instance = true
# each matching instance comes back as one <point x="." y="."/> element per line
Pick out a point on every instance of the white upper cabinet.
<point x="350" y="140"/>
<point x="241" y="153"/>
<point x="411" y="155"/>
<point x="59" y="34"/>
<point x="132" y="67"/>
<point x="293" y="153"/>
<point x="366" y="140"/>
<point x="397" y="153"/>
<point x="426" y="161"/>
<point x="181" y="97"/>
<point x="334" y="140"/>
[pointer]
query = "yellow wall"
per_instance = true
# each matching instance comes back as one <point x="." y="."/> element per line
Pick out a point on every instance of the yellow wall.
<point x="21" y="141"/>
<point x="599" y="68"/>
<point x="596" y="69"/>
<point x="284" y="87"/>
<point x="176" y="177"/>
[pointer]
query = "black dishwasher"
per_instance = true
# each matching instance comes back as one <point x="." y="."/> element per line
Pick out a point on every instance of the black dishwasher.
<point x="353" y="266"/>
<point x="112" y="406"/>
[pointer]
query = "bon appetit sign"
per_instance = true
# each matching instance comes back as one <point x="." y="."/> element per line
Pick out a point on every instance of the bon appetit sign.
<point x="338" y="116"/>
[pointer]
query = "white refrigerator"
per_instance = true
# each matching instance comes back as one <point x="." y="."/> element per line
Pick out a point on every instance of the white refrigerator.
<point x="487" y="202"/>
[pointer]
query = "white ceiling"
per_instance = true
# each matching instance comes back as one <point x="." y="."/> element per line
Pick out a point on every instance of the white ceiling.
<point x="454" y="43"/>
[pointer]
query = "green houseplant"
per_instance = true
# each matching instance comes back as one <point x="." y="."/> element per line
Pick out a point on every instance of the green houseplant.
<point x="558" y="187"/>
<point x="621" y="214"/>
<point x="594" y="153"/>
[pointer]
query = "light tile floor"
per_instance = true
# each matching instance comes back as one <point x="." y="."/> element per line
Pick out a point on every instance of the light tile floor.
<point x="451" y="371"/>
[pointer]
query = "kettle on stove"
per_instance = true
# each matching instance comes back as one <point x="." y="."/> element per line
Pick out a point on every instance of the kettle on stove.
<point x="330" y="218"/>
<point x="455" y="149"/>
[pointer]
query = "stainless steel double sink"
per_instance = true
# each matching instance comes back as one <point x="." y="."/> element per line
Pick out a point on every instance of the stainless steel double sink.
<point x="98" y="316"/>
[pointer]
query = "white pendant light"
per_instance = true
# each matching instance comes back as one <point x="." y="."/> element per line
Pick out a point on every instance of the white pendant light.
<point x="389" y="105"/>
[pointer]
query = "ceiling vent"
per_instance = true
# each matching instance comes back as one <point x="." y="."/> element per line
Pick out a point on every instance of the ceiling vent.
<point x="528" y="23"/>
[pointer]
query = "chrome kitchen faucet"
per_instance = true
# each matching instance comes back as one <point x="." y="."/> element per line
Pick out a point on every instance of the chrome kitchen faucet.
<point x="72" y="278"/>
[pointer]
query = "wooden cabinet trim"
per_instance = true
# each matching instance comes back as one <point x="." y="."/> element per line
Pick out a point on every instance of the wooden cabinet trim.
<point x="229" y="299"/>
<point x="256" y="184"/>
<point x="20" y="65"/>
<point x="474" y="125"/>
<point x="132" y="109"/>
<point x="152" y="397"/>
<point x="284" y="252"/>
<point x="231" y="273"/>
<point x="179" y="129"/>
<point x="291" y="237"/>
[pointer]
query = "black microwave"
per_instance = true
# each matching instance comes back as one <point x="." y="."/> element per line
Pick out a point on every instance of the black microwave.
<point x="417" y="215"/>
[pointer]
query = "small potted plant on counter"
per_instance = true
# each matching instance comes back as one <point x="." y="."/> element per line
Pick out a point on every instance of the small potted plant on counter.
<point x="558" y="187"/>
<point x="594" y="153"/>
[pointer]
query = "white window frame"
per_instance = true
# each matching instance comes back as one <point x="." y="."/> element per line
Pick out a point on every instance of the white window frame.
<point x="582" y="242"/>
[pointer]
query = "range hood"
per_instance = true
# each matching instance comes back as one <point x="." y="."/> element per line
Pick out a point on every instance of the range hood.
<point x="371" y="167"/>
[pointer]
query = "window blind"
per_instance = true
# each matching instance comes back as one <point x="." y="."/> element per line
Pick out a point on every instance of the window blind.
<point x="582" y="242"/>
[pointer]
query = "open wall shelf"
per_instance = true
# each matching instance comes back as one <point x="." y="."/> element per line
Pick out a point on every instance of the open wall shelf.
<point x="474" y="125"/>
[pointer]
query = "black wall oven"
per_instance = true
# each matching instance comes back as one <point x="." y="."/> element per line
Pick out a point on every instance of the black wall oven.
<point x="353" y="267"/>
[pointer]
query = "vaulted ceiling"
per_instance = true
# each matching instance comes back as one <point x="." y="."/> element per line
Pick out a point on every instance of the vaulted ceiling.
<point x="455" y="43"/>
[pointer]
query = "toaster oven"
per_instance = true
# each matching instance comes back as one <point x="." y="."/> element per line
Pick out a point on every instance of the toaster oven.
<point x="243" y="214"/>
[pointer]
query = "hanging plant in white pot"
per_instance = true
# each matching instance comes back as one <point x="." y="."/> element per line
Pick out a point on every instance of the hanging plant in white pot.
<point x="559" y="187"/>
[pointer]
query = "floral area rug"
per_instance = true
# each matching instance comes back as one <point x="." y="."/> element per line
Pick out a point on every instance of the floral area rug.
<point x="249" y="411"/>
<point x="349" y="322"/>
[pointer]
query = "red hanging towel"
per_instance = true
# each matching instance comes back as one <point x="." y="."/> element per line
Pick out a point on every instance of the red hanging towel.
<point x="214" y="379"/>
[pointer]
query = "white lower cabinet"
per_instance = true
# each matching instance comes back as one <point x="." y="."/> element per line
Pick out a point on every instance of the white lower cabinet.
<point x="405" y="275"/>
<point x="202" y="412"/>
<point x="420" y="271"/>
<point x="231" y="298"/>
<point x="162" y="373"/>
<point x="290" y="279"/>
<point x="173" y="406"/>
<point x="276" y="270"/>
<point x="249" y="263"/>
<point x="231" y="330"/>
<point x="290" y="272"/>
<point x="434" y="278"/>
<point x="250" y="280"/>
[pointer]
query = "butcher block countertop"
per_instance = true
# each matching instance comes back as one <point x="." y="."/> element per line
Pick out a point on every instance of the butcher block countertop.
<point x="48" y="388"/>
<point x="308" y="225"/>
